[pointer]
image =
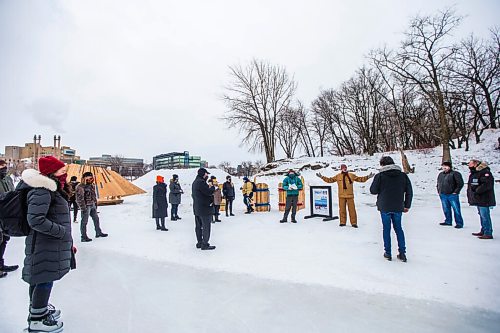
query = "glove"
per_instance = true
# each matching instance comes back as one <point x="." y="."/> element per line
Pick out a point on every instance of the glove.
<point x="292" y="187"/>
<point x="319" y="175"/>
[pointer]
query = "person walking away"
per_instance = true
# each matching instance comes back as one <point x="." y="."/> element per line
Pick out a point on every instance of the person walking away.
<point x="86" y="198"/>
<point x="228" y="194"/>
<point x="345" y="183"/>
<point x="449" y="185"/>
<point x="394" y="195"/>
<point x="72" y="198"/>
<point x="292" y="185"/>
<point x="174" y="197"/>
<point x="217" y="197"/>
<point x="481" y="193"/>
<point x="6" y="185"/>
<point x="160" y="204"/>
<point x="49" y="245"/>
<point x="247" y="190"/>
<point x="203" y="209"/>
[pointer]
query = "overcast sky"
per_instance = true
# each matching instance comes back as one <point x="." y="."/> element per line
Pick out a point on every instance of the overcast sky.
<point x="140" y="78"/>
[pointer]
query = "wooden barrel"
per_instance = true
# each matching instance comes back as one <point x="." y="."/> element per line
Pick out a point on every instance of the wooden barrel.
<point x="301" y="202"/>
<point x="262" y="198"/>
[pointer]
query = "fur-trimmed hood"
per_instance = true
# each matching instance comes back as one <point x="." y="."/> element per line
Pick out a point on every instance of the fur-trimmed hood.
<point x="481" y="166"/>
<point x="35" y="179"/>
<point x="390" y="167"/>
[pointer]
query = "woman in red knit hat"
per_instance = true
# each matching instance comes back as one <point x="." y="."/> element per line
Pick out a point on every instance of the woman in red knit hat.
<point x="49" y="245"/>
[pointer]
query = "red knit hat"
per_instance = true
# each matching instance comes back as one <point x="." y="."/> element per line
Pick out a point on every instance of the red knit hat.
<point x="160" y="179"/>
<point x="49" y="164"/>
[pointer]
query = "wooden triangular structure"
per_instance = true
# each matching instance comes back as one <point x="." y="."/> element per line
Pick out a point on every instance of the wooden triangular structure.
<point x="110" y="186"/>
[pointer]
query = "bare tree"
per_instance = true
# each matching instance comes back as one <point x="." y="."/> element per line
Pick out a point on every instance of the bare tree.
<point x="226" y="166"/>
<point x="117" y="163"/>
<point x="288" y="131"/>
<point x="424" y="59"/>
<point x="256" y="98"/>
<point x="306" y="130"/>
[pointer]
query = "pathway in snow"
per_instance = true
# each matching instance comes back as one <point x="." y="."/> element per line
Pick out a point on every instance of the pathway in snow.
<point x="111" y="292"/>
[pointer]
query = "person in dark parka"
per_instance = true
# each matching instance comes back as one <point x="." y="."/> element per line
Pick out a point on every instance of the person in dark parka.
<point x="49" y="245"/>
<point x="6" y="185"/>
<point x="228" y="194"/>
<point x="203" y="209"/>
<point x="160" y="204"/>
<point x="394" y="196"/>
<point x="481" y="193"/>
<point x="72" y="198"/>
<point x="174" y="197"/>
<point x="449" y="185"/>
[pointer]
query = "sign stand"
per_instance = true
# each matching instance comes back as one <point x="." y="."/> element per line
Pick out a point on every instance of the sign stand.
<point x="320" y="198"/>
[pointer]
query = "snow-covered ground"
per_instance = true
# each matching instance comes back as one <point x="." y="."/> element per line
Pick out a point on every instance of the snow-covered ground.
<point x="264" y="276"/>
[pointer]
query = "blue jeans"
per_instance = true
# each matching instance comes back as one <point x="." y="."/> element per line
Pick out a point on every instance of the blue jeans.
<point x="393" y="218"/>
<point x="451" y="202"/>
<point x="484" y="215"/>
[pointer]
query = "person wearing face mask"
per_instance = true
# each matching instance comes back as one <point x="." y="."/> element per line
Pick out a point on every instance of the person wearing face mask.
<point x="87" y="201"/>
<point x="203" y="209"/>
<point x="49" y="245"/>
<point x="174" y="197"/>
<point x="160" y="204"/>
<point x="292" y="185"/>
<point x="345" y="180"/>
<point x="73" y="183"/>
<point x="481" y="193"/>
<point x="449" y="185"/>
<point x="229" y="194"/>
<point x="6" y="185"/>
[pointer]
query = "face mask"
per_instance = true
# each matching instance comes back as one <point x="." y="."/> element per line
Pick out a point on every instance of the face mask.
<point x="89" y="181"/>
<point x="62" y="179"/>
<point x="3" y="172"/>
<point x="446" y="169"/>
<point x="472" y="168"/>
<point x="205" y="177"/>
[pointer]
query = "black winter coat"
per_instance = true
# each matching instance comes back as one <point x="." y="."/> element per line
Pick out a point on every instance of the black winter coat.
<point x="49" y="243"/>
<point x="393" y="188"/>
<point x="160" y="204"/>
<point x="175" y="192"/>
<point x="450" y="182"/>
<point x="228" y="190"/>
<point x="481" y="187"/>
<point x="202" y="197"/>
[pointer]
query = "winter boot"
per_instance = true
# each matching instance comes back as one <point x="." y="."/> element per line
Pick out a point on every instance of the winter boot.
<point x="101" y="234"/>
<point x="444" y="223"/>
<point x="231" y="214"/>
<point x="45" y="324"/>
<point x="163" y="229"/>
<point x="354" y="225"/>
<point x="341" y="225"/>
<point x="402" y="257"/>
<point x="294" y="221"/>
<point x="198" y="245"/>
<point x="283" y="221"/>
<point x="173" y="218"/>
<point x="208" y="247"/>
<point x="486" y="237"/>
<point x="477" y="233"/>
<point x="86" y="239"/>
<point x="177" y="217"/>
<point x="387" y="256"/>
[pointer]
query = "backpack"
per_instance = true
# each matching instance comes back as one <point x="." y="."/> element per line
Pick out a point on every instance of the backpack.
<point x="14" y="213"/>
<point x="254" y="187"/>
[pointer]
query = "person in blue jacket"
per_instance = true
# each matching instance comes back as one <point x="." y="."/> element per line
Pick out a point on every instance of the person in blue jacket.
<point x="292" y="185"/>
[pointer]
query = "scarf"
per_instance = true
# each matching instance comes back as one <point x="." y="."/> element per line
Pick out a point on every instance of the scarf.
<point x="345" y="174"/>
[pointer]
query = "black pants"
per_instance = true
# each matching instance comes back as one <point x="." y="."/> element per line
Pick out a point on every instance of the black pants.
<point x="3" y="244"/>
<point x="158" y="219"/>
<point x="229" y="205"/>
<point x="75" y="209"/>
<point x="39" y="299"/>
<point x="291" y="202"/>
<point x="174" y="210"/>
<point x="202" y="229"/>
<point x="216" y="211"/>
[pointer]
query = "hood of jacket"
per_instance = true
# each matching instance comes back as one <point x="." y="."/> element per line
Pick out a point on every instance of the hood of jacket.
<point x="33" y="178"/>
<point x="391" y="170"/>
<point x="482" y="166"/>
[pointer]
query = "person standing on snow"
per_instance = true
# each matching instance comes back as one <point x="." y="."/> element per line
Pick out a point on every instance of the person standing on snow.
<point x="86" y="198"/>
<point x="228" y="194"/>
<point x="345" y="180"/>
<point x="6" y="185"/>
<point x="203" y="209"/>
<point x="174" y="197"/>
<point x="394" y="196"/>
<point x="247" y="191"/>
<point x="160" y="204"/>
<point x="49" y="245"/>
<point x="292" y="184"/>
<point x="481" y="193"/>
<point x="449" y="185"/>
<point x="72" y="198"/>
<point x="217" y="197"/>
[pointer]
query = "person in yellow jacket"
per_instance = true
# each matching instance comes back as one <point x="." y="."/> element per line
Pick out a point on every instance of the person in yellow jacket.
<point x="247" y="191"/>
<point x="345" y="180"/>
